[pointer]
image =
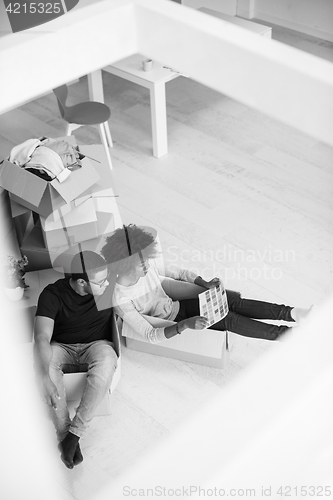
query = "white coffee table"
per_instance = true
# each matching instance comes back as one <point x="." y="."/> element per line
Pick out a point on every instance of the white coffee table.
<point x="154" y="80"/>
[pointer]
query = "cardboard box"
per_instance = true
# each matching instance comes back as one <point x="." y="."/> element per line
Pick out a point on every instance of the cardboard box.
<point x="23" y="220"/>
<point x="41" y="196"/>
<point x="68" y="207"/>
<point x="33" y="247"/>
<point x="105" y="186"/>
<point x="108" y="219"/>
<point x="87" y="221"/>
<point x="206" y="347"/>
<point x="77" y="225"/>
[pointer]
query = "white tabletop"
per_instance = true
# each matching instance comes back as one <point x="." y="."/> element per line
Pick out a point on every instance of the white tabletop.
<point x="133" y="66"/>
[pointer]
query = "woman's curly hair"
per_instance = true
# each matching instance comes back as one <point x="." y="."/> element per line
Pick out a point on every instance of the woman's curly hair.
<point x="127" y="246"/>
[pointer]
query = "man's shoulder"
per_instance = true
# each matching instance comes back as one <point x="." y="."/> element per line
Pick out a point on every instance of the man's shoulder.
<point x="56" y="288"/>
<point x="51" y="298"/>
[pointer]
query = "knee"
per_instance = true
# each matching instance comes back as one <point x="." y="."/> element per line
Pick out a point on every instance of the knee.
<point x="105" y="359"/>
<point x="233" y="297"/>
<point x="55" y="365"/>
<point x="229" y="321"/>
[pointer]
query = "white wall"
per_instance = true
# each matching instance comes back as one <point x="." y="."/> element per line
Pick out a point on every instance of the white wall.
<point x="308" y="16"/>
<point x="313" y="17"/>
<point x="226" y="6"/>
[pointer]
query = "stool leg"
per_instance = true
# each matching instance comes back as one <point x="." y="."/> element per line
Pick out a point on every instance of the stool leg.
<point x="71" y="127"/>
<point x="108" y="134"/>
<point x="105" y="143"/>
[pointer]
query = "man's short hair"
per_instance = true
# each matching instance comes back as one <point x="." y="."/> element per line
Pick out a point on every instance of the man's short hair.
<point x="86" y="265"/>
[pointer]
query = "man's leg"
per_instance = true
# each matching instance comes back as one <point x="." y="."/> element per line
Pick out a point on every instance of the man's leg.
<point x="101" y="361"/>
<point x="62" y="358"/>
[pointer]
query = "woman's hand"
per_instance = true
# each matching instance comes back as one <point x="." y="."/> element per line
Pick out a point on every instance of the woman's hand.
<point x="207" y="284"/>
<point x="196" y="323"/>
<point x="212" y="283"/>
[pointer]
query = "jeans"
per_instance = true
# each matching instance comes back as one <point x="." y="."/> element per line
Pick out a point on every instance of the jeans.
<point x="239" y="319"/>
<point x="99" y="360"/>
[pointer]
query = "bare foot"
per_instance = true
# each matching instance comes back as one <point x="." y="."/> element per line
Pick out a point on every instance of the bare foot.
<point x="68" y="447"/>
<point x="298" y="314"/>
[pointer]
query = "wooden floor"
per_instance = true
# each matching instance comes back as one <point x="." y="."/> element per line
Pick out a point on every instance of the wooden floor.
<point x="240" y="196"/>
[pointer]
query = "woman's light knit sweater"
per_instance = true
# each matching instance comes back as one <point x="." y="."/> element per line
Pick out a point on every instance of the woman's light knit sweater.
<point x="147" y="296"/>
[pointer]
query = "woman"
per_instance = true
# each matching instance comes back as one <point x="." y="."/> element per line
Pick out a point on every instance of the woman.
<point x="131" y="253"/>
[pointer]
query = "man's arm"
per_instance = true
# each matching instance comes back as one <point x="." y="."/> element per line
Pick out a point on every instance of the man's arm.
<point x="42" y="355"/>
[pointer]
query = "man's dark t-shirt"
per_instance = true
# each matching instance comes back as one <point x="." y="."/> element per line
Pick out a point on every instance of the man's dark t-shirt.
<point x="76" y="317"/>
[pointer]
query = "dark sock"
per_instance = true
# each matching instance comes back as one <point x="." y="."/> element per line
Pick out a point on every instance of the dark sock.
<point x="68" y="448"/>
<point x="78" y="457"/>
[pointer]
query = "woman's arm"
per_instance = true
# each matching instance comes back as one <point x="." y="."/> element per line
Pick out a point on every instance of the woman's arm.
<point x="194" y="323"/>
<point x="138" y="323"/>
<point x="180" y="274"/>
<point x="173" y="271"/>
<point x="154" y="335"/>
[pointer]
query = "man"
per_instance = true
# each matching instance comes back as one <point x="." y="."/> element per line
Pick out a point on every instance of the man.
<point x="72" y="333"/>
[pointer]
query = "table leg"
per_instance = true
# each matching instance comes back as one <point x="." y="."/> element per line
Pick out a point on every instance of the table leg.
<point x="95" y="85"/>
<point x="159" y="119"/>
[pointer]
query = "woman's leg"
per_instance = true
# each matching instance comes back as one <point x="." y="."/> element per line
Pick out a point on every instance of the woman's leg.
<point x="234" y="322"/>
<point x="248" y="327"/>
<point x="257" y="308"/>
<point x="188" y="309"/>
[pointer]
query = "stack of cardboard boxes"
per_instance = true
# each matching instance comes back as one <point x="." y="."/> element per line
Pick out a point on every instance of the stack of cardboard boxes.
<point x="54" y="220"/>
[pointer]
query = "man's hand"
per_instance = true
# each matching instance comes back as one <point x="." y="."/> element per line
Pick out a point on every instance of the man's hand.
<point x="196" y="323"/>
<point x="49" y="392"/>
